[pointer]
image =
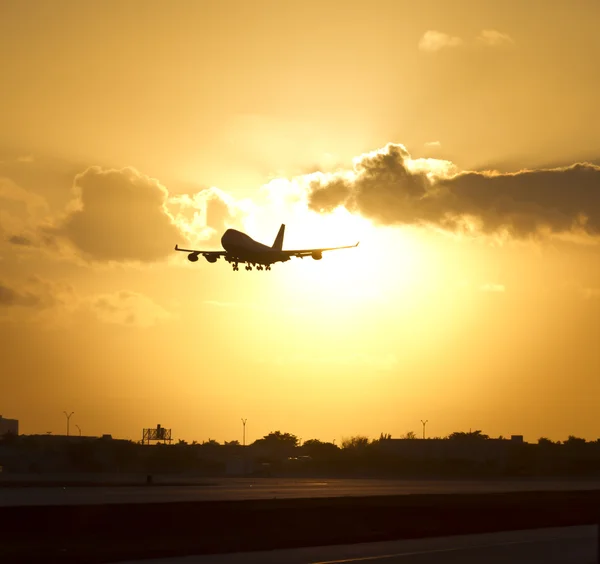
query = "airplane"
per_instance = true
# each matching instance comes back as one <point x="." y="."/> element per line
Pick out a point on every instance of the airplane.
<point x="240" y="248"/>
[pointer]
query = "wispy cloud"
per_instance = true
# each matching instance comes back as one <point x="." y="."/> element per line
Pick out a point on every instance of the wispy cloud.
<point x="433" y="41"/>
<point x="494" y="38"/>
<point x="128" y="308"/>
<point x="36" y="293"/>
<point x="49" y="303"/>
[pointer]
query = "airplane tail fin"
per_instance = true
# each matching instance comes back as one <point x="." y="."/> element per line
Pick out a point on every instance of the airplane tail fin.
<point x="278" y="244"/>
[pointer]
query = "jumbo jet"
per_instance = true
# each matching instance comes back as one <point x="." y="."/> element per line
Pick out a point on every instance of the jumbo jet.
<point x="240" y="248"/>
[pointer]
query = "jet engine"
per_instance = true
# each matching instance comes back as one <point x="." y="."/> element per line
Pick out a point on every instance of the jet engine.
<point x="193" y="257"/>
<point x="210" y="258"/>
<point x="317" y="255"/>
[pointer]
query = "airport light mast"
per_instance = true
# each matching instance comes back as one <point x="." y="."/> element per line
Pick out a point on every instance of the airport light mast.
<point x="68" y="416"/>
<point x="424" y="423"/>
<point x="244" y="432"/>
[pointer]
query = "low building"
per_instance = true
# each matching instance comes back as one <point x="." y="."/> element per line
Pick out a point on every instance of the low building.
<point x="8" y="426"/>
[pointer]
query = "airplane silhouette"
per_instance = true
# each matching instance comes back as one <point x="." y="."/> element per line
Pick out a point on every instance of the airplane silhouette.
<point x="240" y="248"/>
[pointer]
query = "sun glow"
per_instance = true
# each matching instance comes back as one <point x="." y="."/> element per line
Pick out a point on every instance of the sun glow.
<point x="385" y="261"/>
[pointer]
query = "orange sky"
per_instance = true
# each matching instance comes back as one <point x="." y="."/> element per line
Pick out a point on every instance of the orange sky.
<point x="442" y="135"/>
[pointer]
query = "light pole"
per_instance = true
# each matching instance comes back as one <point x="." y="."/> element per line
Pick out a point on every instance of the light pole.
<point x="68" y="416"/>
<point x="424" y="423"/>
<point x="244" y="435"/>
<point x="79" y="429"/>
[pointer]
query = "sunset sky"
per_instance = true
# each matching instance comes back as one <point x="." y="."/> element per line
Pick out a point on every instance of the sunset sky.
<point x="458" y="141"/>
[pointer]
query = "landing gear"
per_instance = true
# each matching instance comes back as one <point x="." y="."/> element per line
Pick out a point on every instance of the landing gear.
<point x="250" y="265"/>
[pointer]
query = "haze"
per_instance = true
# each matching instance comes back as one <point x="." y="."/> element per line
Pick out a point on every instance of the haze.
<point x="455" y="140"/>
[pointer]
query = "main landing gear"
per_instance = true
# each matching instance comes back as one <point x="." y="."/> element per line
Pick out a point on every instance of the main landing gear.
<point x="249" y="266"/>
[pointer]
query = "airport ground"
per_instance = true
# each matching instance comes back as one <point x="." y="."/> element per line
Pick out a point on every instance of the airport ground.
<point x="361" y="511"/>
<point x="567" y="545"/>
<point x="101" y="489"/>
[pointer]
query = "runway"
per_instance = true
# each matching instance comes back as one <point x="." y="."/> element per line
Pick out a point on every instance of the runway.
<point x="270" y="488"/>
<point x="565" y="545"/>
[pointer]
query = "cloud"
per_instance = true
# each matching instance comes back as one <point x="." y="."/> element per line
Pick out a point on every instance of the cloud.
<point x="49" y="302"/>
<point x="205" y="215"/>
<point x="433" y="41"/>
<point x="119" y="215"/>
<point x="36" y="293"/>
<point x="127" y="308"/>
<point x="494" y="38"/>
<point x="391" y="188"/>
<point x="20" y="240"/>
<point x="20" y="209"/>
<point x="12" y="297"/>
<point x="435" y="144"/>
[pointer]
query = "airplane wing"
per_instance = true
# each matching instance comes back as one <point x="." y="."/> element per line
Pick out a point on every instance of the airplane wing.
<point x="315" y="252"/>
<point x="205" y="254"/>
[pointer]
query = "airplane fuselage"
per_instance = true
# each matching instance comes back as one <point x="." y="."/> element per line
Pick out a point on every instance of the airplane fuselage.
<point x="242" y="248"/>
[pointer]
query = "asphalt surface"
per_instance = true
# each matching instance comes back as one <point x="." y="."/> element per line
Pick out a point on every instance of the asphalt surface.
<point x="566" y="545"/>
<point x="270" y="488"/>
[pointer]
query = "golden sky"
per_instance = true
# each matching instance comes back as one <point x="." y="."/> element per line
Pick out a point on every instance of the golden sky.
<point x="458" y="141"/>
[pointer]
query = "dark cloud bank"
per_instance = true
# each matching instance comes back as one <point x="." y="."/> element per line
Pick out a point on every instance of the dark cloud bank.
<point x="524" y="203"/>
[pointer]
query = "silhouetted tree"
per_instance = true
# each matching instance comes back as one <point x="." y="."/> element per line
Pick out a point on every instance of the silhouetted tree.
<point x="385" y="436"/>
<point x="355" y="443"/>
<point x="212" y="443"/>
<point x="545" y="442"/>
<point x="276" y="446"/>
<point x="232" y="443"/>
<point x="409" y="435"/>
<point x="278" y="438"/>
<point x="572" y="440"/>
<point x="318" y="449"/>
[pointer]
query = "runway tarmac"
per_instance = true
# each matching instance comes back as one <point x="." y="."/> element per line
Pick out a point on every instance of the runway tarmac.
<point x="565" y="545"/>
<point x="270" y="488"/>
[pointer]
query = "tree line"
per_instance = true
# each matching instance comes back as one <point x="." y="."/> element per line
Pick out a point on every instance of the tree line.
<point x="468" y="454"/>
